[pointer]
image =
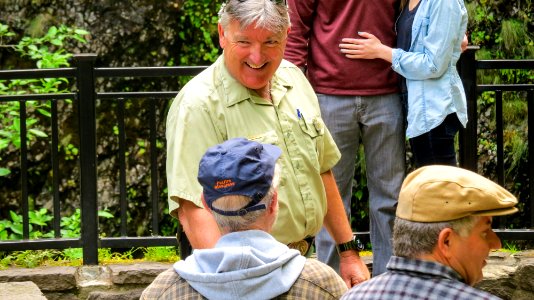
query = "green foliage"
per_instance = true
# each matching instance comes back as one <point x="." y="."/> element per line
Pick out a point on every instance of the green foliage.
<point x="28" y="258"/>
<point x="71" y="225"/>
<point x="504" y="30"/>
<point x="199" y="33"/>
<point x="360" y="195"/>
<point x="74" y="256"/>
<point x="40" y="222"/>
<point x="106" y="255"/>
<point x="510" y="246"/>
<point x="160" y="254"/>
<point x="46" y="52"/>
<point x="12" y="229"/>
<point x="5" y="32"/>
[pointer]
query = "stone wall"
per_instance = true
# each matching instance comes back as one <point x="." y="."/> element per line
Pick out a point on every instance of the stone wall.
<point x="510" y="276"/>
<point x="507" y="276"/>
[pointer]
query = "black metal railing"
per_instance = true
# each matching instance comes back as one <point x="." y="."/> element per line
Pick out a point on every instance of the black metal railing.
<point x="85" y="96"/>
<point x="468" y="67"/>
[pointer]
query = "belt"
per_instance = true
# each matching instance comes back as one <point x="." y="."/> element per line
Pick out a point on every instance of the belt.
<point x="304" y="246"/>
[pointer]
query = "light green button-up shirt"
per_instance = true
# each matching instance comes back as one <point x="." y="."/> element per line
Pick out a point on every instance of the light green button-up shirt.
<point x="214" y="107"/>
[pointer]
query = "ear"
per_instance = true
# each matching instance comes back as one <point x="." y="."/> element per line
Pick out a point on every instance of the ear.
<point x="274" y="202"/>
<point x="446" y="240"/>
<point x="222" y="39"/>
<point x="204" y="203"/>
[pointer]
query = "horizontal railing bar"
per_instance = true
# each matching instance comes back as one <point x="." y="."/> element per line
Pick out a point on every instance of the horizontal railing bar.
<point x="505" y="234"/>
<point x="37" y="73"/>
<point x="59" y="243"/>
<point x="515" y="234"/>
<point x="128" y="242"/>
<point x="31" y="97"/>
<point x="129" y="95"/>
<point x="506" y="64"/>
<point x="504" y="87"/>
<point x="149" y="71"/>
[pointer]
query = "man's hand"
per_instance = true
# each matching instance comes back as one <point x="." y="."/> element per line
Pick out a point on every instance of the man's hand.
<point x="352" y="268"/>
<point x="465" y="41"/>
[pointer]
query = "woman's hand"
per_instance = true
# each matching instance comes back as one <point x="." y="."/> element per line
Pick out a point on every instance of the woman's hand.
<point x="367" y="47"/>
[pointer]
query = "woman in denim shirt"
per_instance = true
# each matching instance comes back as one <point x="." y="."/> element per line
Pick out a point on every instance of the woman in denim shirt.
<point x="436" y="98"/>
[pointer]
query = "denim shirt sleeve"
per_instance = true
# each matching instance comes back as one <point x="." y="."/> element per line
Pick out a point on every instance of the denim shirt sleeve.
<point x="435" y="33"/>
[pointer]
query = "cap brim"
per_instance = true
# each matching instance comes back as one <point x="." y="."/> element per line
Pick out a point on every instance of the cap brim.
<point x="497" y="212"/>
<point x="274" y="151"/>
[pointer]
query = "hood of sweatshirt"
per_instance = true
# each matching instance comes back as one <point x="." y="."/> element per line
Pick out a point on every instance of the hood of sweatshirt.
<point x="243" y="265"/>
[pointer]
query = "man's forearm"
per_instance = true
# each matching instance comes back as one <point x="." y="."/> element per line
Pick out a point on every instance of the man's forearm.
<point x="335" y="220"/>
<point x="198" y="224"/>
<point x="351" y="267"/>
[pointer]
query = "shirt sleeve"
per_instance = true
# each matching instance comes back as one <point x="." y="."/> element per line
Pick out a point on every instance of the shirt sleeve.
<point x="329" y="154"/>
<point x="190" y="132"/>
<point x="301" y="14"/>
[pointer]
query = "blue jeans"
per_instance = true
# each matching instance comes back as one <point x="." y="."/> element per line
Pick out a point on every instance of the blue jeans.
<point x="437" y="145"/>
<point x="379" y="122"/>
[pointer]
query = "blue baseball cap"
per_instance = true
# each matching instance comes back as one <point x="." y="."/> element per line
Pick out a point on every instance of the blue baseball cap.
<point x="238" y="167"/>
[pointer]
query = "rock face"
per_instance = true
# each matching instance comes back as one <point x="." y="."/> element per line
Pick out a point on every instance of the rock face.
<point x="509" y="276"/>
<point x="25" y="290"/>
<point x="123" y="33"/>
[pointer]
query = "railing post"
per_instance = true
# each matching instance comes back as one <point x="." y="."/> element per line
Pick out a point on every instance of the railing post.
<point x="467" y="67"/>
<point x="88" y="188"/>
<point x="530" y="107"/>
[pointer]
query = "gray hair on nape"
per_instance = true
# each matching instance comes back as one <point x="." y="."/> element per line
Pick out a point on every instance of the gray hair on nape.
<point x="270" y="15"/>
<point x="412" y="239"/>
<point x="235" y="202"/>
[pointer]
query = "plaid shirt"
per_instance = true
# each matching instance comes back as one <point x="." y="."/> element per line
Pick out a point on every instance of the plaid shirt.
<point x="416" y="279"/>
<point x="317" y="281"/>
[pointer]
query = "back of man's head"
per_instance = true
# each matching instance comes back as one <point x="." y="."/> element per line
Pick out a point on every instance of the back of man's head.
<point x="239" y="179"/>
<point x="436" y="197"/>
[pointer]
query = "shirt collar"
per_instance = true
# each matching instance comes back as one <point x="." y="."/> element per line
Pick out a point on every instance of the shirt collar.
<point x="235" y="92"/>
<point x="404" y="264"/>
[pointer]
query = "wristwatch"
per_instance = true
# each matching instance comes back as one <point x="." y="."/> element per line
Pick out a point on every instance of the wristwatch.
<point x="354" y="244"/>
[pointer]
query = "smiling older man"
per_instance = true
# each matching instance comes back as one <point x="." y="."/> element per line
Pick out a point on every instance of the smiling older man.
<point x="251" y="92"/>
<point x="441" y="238"/>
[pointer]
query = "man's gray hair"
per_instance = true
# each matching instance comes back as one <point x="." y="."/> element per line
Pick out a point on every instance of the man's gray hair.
<point x="412" y="239"/>
<point x="235" y="202"/>
<point x="267" y="14"/>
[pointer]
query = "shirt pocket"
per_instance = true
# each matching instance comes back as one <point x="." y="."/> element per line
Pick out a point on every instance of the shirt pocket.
<point x="313" y="129"/>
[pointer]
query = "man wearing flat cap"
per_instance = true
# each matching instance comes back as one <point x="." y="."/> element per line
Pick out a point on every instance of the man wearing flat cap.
<point x="240" y="180"/>
<point x="441" y="237"/>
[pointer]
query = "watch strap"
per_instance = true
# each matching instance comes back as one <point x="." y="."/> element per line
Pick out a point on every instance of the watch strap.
<point x="354" y="244"/>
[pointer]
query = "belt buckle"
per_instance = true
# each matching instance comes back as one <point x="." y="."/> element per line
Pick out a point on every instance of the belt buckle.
<point x="303" y="246"/>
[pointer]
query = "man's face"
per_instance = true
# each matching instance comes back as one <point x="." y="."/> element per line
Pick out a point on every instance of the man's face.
<point x="469" y="253"/>
<point x="252" y="55"/>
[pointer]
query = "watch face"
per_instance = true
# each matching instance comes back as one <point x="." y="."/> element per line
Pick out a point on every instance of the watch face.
<point x="359" y="245"/>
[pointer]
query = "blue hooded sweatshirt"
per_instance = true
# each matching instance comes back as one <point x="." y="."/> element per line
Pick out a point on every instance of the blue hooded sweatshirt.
<point x="243" y="265"/>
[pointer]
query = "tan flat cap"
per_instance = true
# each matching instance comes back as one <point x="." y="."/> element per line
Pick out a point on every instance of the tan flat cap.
<point x="443" y="193"/>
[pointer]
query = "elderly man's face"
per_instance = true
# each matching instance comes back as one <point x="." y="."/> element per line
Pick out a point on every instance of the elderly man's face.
<point x="470" y="253"/>
<point x="252" y="55"/>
